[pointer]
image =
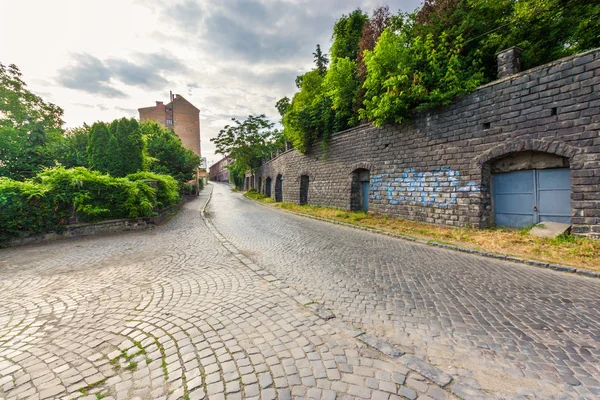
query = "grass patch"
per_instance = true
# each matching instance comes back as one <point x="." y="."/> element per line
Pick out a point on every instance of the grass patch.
<point x="132" y="366"/>
<point x="254" y="195"/>
<point x="163" y="365"/>
<point x="565" y="249"/>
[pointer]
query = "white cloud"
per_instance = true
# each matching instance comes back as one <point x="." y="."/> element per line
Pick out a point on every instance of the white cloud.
<point x="103" y="60"/>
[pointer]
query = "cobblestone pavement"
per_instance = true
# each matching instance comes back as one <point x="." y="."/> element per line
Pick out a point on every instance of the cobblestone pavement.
<point x="510" y="329"/>
<point x="176" y="313"/>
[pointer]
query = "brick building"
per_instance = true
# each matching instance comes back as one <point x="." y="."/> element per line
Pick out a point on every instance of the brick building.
<point x="218" y="171"/>
<point x="181" y="116"/>
<point x="519" y="150"/>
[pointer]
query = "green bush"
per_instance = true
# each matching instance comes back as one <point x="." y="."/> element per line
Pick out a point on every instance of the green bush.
<point x="46" y="202"/>
<point x="26" y="208"/>
<point x="167" y="188"/>
<point x="96" y="196"/>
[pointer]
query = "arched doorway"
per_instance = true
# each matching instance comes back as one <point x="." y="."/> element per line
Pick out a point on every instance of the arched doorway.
<point x="279" y="188"/>
<point x="359" y="192"/>
<point x="529" y="187"/>
<point x="304" y="181"/>
<point x="268" y="187"/>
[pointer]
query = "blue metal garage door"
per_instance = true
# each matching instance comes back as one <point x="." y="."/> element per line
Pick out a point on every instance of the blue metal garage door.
<point x="526" y="197"/>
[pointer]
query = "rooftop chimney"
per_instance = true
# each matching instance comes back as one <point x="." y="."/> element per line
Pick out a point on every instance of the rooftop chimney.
<point x="509" y="62"/>
<point x="159" y="104"/>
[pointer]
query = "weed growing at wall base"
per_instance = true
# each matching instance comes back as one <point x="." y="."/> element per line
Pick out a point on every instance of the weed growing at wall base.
<point x="254" y="195"/>
<point x="566" y="249"/>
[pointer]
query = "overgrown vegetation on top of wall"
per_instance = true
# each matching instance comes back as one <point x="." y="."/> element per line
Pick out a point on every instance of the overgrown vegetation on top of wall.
<point x="47" y="201"/>
<point x="386" y="67"/>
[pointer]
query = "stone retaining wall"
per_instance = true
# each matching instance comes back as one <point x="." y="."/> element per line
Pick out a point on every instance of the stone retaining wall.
<point x="437" y="169"/>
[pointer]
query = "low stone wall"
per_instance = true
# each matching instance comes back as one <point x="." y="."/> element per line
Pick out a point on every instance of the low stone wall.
<point x="102" y="227"/>
<point x="439" y="168"/>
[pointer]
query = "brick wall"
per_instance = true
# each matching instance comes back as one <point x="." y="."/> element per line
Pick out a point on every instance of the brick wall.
<point x="438" y="169"/>
<point x="156" y="113"/>
<point x="218" y="171"/>
<point x="186" y="123"/>
<point x="186" y="120"/>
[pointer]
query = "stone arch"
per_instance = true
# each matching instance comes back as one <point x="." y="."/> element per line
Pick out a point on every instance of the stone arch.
<point x="361" y="165"/>
<point x="304" y="185"/>
<point x="310" y="174"/>
<point x="268" y="186"/>
<point x="279" y="188"/>
<point x="528" y="162"/>
<point x="360" y="189"/>
<point x="514" y="146"/>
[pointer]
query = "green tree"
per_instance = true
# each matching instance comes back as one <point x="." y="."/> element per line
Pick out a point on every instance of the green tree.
<point x="100" y="148"/>
<point x="114" y="161"/>
<point x="310" y="116"/>
<point x="342" y="86"/>
<point x="131" y="147"/>
<point x="166" y="153"/>
<point x="347" y="32"/>
<point x="28" y="125"/>
<point x="372" y="29"/>
<point x="113" y="126"/>
<point x="283" y="105"/>
<point x="321" y="60"/>
<point x="247" y="142"/>
<point x="408" y="71"/>
<point x="71" y="151"/>
<point x="545" y="29"/>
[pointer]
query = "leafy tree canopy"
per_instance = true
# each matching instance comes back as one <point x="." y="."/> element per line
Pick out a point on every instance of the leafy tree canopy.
<point x="71" y="151"/>
<point x="310" y="115"/>
<point x="166" y="152"/>
<point x="347" y="32"/>
<point x="385" y="68"/>
<point x="247" y="142"/>
<point x="321" y="60"/>
<point x="27" y="125"/>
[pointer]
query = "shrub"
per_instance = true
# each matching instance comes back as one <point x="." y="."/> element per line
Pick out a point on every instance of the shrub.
<point x="26" y="208"/>
<point x="46" y="202"/>
<point x="167" y="188"/>
<point x="96" y="196"/>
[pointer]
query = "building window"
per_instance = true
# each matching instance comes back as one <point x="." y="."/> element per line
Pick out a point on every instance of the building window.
<point x="169" y="122"/>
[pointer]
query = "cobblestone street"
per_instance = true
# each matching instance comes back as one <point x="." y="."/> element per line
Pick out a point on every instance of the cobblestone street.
<point x="510" y="329"/>
<point x="177" y="312"/>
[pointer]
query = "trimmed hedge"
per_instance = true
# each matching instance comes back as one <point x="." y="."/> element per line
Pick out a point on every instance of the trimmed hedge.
<point x="46" y="202"/>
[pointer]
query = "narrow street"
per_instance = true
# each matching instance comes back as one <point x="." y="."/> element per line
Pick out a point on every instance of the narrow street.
<point x="510" y="329"/>
<point x="226" y="305"/>
<point x="173" y="313"/>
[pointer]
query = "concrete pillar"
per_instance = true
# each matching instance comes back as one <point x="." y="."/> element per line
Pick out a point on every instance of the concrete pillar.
<point x="509" y="62"/>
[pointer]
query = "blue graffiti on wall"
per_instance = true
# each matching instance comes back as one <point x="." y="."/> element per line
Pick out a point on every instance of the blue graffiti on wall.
<point x="439" y="187"/>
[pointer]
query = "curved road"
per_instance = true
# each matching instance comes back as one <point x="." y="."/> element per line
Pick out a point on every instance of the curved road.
<point x="172" y="313"/>
<point x="510" y="329"/>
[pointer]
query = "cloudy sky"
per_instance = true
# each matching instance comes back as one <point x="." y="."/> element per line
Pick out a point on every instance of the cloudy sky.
<point x="101" y="60"/>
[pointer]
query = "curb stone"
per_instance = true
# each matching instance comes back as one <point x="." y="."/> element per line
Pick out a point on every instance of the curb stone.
<point x="516" y="260"/>
<point x="409" y="361"/>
